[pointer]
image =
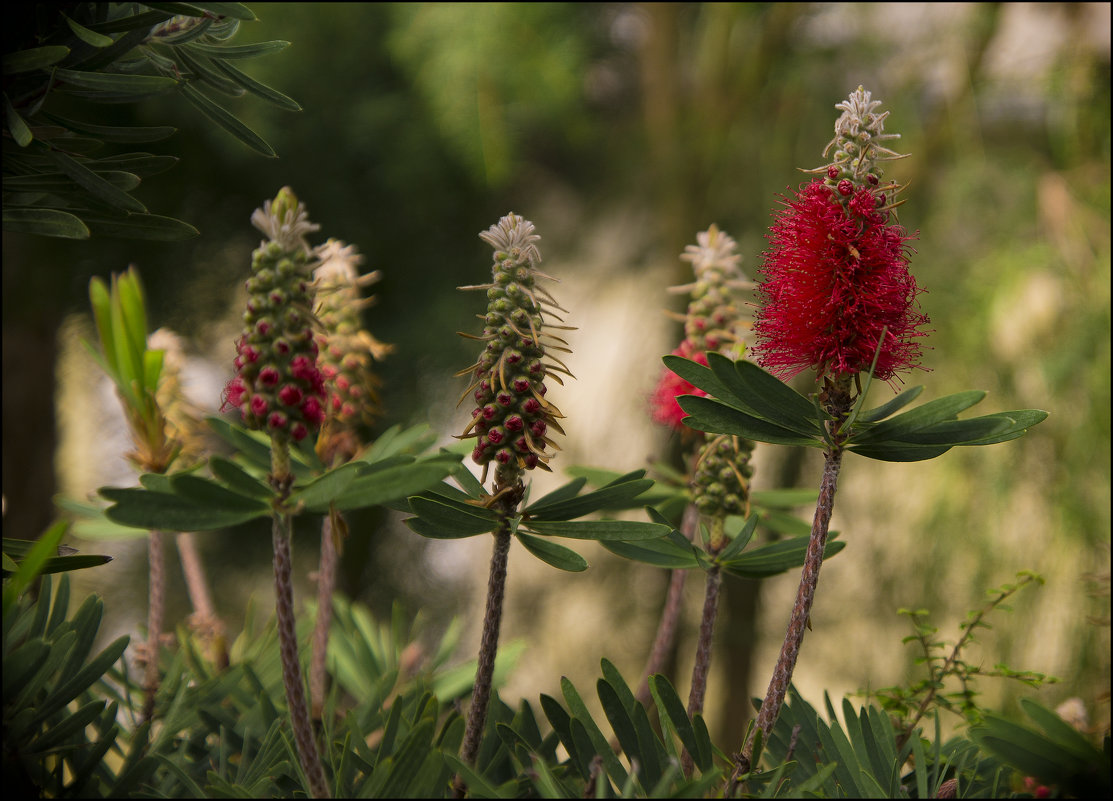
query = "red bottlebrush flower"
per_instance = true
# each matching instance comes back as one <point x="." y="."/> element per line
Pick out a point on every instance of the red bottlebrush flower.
<point x="834" y="280"/>
<point x="663" y="405"/>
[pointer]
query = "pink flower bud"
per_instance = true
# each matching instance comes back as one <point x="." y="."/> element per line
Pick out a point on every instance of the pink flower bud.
<point x="290" y="395"/>
<point x="269" y="376"/>
<point x="258" y="406"/>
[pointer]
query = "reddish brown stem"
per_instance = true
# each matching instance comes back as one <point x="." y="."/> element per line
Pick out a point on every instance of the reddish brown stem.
<point x="155" y="604"/>
<point x="801" y="610"/>
<point x="326" y="583"/>
<point x="703" y="653"/>
<point x="670" y="614"/>
<point x="291" y="666"/>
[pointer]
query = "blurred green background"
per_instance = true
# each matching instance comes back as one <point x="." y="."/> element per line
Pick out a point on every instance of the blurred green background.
<point x="621" y="130"/>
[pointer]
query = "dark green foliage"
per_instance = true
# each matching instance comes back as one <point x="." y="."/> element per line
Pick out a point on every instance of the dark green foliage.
<point x="749" y="402"/>
<point x="59" y="180"/>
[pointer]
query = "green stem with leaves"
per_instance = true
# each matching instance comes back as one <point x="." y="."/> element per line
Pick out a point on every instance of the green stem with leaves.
<point x="282" y="530"/>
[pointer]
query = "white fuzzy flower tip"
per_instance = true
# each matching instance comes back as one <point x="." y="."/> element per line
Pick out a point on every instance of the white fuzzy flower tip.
<point x="284" y="220"/>
<point x="513" y="235"/>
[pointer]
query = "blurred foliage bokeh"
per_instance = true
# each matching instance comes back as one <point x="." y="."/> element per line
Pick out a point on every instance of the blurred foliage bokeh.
<point x="423" y="124"/>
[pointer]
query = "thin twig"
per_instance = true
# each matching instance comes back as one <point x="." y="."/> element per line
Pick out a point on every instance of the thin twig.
<point x="156" y="599"/>
<point x="670" y="614"/>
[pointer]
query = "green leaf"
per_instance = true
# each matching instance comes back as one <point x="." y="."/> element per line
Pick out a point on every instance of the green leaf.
<point x="317" y="495"/>
<point x="205" y="71"/>
<point x="765" y="395"/>
<point x="36" y="58"/>
<point x="702" y="377"/>
<point x="559" y="495"/>
<point x="96" y="185"/>
<point x="382" y="486"/>
<point x="44" y="222"/>
<point x="708" y="414"/>
<point x="142" y="164"/>
<point x="1022" y="420"/>
<point x="272" y="96"/>
<point x="19" y="130"/>
<point x="239" y="479"/>
<point x="239" y="51"/>
<point x="453" y="518"/>
<point x="659" y="553"/>
<point x="216" y="497"/>
<point x="89" y="37"/>
<point x="141" y="226"/>
<point x="45" y="548"/>
<point x="928" y="414"/>
<point x="116" y="83"/>
<point x="623" y="728"/>
<point x="741" y="539"/>
<point x="619" y="492"/>
<point x="899" y="451"/>
<point x="550" y="553"/>
<point x="57" y="182"/>
<point x="598" y="743"/>
<point x="598" y="529"/>
<point x="670" y="708"/>
<point x="227" y="121"/>
<point x="884" y="410"/>
<point x="776" y="557"/>
<point x="156" y="510"/>
<point x="115" y="133"/>
<point x="1061" y="732"/>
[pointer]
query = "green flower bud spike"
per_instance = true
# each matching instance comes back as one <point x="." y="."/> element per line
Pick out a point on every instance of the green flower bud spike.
<point x="512" y="419"/>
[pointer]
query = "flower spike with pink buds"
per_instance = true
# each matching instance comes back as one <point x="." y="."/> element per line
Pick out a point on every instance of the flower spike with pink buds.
<point x="512" y="419"/>
<point x="278" y="387"/>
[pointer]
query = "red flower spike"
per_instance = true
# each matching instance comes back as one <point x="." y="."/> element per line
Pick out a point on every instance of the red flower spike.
<point x="833" y="282"/>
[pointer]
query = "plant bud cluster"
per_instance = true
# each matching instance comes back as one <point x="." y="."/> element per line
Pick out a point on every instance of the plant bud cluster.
<point x="278" y="387"/>
<point x="854" y="174"/>
<point x="512" y="421"/>
<point x="347" y="348"/>
<point x="721" y="480"/>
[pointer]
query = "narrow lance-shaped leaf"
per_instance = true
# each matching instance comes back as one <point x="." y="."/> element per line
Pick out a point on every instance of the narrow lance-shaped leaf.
<point x="227" y="121"/>
<point x="553" y="554"/>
